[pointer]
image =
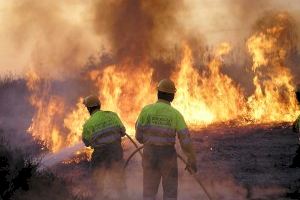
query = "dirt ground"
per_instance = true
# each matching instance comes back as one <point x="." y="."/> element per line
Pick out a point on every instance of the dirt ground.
<point x="250" y="162"/>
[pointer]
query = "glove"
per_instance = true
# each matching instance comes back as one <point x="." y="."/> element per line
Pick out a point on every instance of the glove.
<point x="192" y="165"/>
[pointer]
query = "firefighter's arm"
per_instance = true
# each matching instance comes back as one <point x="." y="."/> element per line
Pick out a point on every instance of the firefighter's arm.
<point x="84" y="137"/>
<point x="122" y="127"/>
<point x="186" y="145"/>
<point x="186" y="142"/>
<point x="139" y="128"/>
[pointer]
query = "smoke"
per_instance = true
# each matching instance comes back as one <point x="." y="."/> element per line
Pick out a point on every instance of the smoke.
<point x="136" y="29"/>
<point x="57" y="38"/>
<point x="287" y="38"/>
<point x="54" y="38"/>
<point x="140" y="33"/>
<point x="230" y="20"/>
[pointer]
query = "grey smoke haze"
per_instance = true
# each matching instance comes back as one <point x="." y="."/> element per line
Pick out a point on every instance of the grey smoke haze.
<point x="231" y="20"/>
<point x="51" y="37"/>
<point x="56" y="38"/>
<point x="137" y="29"/>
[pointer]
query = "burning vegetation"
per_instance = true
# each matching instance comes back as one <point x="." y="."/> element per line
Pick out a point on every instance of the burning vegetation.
<point x="139" y="43"/>
<point x="206" y="95"/>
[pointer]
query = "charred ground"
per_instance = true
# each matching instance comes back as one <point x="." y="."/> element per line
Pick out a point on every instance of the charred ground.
<point x="250" y="162"/>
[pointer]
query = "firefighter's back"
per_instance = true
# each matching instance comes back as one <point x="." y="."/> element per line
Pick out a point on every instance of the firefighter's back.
<point x="158" y="123"/>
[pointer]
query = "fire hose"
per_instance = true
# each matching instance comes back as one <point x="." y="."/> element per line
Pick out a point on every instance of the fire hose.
<point x="138" y="149"/>
<point x="133" y="142"/>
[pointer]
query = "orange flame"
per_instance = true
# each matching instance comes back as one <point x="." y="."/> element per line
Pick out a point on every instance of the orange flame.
<point x="206" y="99"/>
<point x="204" y="96"/>
<point x="273" y="99"/>
<point x="125" y="91"/>
<point x="44" y="127"/>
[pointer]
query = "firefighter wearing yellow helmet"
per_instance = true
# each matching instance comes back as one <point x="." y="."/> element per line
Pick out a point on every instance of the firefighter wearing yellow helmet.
<point x="156" y="128"/>
<point x="103" y="132"/>
<point x="296" y="129"/>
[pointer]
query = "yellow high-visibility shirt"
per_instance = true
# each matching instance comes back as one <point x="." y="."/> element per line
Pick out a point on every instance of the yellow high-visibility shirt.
<point x="103" y="127"/>
<point x="159" y="123"/>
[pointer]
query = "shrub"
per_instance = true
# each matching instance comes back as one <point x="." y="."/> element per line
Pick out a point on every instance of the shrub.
<point x="20" y="179"/>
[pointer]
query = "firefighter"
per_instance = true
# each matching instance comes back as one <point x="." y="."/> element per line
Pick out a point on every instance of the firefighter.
<point x="296" y="129"/>
<point x="103" y="132"/>
<point x="156" y="128"/>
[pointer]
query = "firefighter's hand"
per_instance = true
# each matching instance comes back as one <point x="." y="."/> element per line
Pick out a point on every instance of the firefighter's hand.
<point x="192" y="165"/>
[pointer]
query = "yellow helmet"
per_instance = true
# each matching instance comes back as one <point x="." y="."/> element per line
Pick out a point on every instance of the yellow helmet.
<point x="166" y="85"/>
<point x="91" y="101"/>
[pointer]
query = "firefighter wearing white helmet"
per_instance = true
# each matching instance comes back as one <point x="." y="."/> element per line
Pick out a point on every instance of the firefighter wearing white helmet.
<point x="103" y="132"/>
<point x="156" y="128"/>
<point x="296" y="129"/>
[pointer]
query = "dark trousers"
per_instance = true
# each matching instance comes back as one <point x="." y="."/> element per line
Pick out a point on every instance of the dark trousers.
<point x="107" y="155"/>
<point x="107" y="170"/>
<point x="160" y="163"/>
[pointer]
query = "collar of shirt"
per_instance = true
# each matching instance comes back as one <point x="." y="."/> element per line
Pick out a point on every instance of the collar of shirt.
<point x="95" y="111"/>
<point x="163" y="101"/>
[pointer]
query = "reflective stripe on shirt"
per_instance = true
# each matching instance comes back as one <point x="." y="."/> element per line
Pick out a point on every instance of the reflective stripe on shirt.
<point x="106" y="130"/>
<point x="161" y="131"/>
<point x="157" y="135"/>
<point x="106" y="139"/>
<point x="161" y="120"/>
<point x="106" y="135"/>
<point x="150" y="139"/>
<point x="184" y="136"/>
